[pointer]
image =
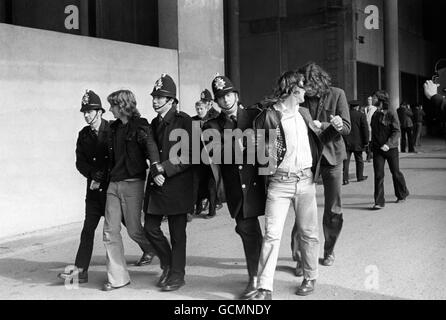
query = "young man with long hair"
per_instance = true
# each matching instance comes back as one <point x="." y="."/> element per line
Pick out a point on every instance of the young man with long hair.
<point x="329" y="109"/>
<point x="297" y="151"/>
<point x="131" y="144"/>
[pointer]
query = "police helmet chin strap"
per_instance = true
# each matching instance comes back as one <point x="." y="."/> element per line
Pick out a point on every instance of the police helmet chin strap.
<point x="95" y="117"/>
<point x="163" y="104"/>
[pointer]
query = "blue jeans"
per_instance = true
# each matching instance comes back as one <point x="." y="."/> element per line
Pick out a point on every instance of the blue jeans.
<point x="300" y="192"/>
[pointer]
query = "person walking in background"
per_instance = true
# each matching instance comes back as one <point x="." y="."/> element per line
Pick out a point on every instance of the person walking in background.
<point x="131" y="144"/>
<point x="356" y="142"/>
<point x="329" y="109"/>
<point x="205" y="186"/>
<point x="385" y="134"/>
<point x="406" y="123"/>
<point x="212" y="110"/>
<point x="369" y="110"/>
<point x="418" y="117"/>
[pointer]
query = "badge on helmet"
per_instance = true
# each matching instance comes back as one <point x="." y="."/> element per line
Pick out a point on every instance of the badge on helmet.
<point x="222" y="85"/>
<point x="91" y="101"/>
<point x="165" y="87"/>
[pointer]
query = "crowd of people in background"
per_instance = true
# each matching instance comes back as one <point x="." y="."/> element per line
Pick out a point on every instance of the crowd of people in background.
<point x="317" y="131"/>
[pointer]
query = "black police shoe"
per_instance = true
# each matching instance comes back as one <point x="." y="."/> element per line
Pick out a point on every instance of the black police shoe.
<point x="163" y="278"/>
<point x="250" y="290"/>
<point x="173" y="285"/>
<point x="328" y="259"/>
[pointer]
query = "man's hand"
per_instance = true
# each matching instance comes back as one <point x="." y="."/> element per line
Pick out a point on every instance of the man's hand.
<point x="317" y="123"/>
<point x="385" y="148"/>
<point x="430" y="88"/>
<point x="336" y="122"/>
<point x="98" y="176"/>
<point x="156" y="169"/>
<point x="159" y="180"/>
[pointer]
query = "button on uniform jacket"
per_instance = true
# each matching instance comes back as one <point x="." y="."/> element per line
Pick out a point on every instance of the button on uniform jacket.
<point x="244" y="188"/>
<point x="175" y="196"/>
<point x="92" y="156"/>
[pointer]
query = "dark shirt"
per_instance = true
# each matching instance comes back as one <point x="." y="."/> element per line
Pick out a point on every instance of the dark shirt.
<point x="385" y="129"/>
<point x="313" y="103"/>
<point x="119" y="171"/>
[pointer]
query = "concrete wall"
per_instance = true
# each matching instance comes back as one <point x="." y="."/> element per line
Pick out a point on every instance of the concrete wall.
<point x="200" y="48"/>
<point x="414" y="51"/>
<point x="196" y="29"/>
<point x="43" y="75"/>
<point x="372" y="50"/>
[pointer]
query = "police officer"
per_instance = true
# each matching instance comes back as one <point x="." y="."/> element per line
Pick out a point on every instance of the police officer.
<point x="245" y="190"/>
<point x="92" y="162"/>
<point x="169" y="194"/>
<point x="212" y="112"/>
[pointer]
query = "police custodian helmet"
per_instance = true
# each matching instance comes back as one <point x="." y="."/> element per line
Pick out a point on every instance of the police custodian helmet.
<point x="221" y="85"/>
<point x="206" y="95"/>
<point x="91" y="101"/>
<point x="165" y="87"/>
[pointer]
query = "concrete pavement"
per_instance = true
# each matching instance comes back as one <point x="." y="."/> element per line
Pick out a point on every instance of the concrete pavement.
<point x="395" y="253"/>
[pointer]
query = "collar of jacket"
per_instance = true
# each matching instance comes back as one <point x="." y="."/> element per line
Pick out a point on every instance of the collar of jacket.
<point x="132" y="123"/>
<point x="304" y="112"/>
<point x="222" y="117"/>
<point x="102" y="126"/>
<point x="170" y="115"/>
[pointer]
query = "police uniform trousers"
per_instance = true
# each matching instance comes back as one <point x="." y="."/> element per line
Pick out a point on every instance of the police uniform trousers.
<point x="94" y="210"/>
<point x="175" y="255"/>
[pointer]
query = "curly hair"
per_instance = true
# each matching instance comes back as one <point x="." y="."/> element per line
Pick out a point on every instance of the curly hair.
<point x="316" y="78"/>
<point x="126" y="101"/>
<point x="382" y="96"/>
<point x="284" y="87"/>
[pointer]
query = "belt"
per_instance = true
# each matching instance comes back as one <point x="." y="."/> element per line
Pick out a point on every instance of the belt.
<point x="304" y="173"/>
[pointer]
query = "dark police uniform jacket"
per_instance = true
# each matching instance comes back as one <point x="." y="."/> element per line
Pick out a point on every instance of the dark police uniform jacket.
<point x="175" y="196"/>
<point x="244" y="188"/>
<point x="92" y="156"/>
